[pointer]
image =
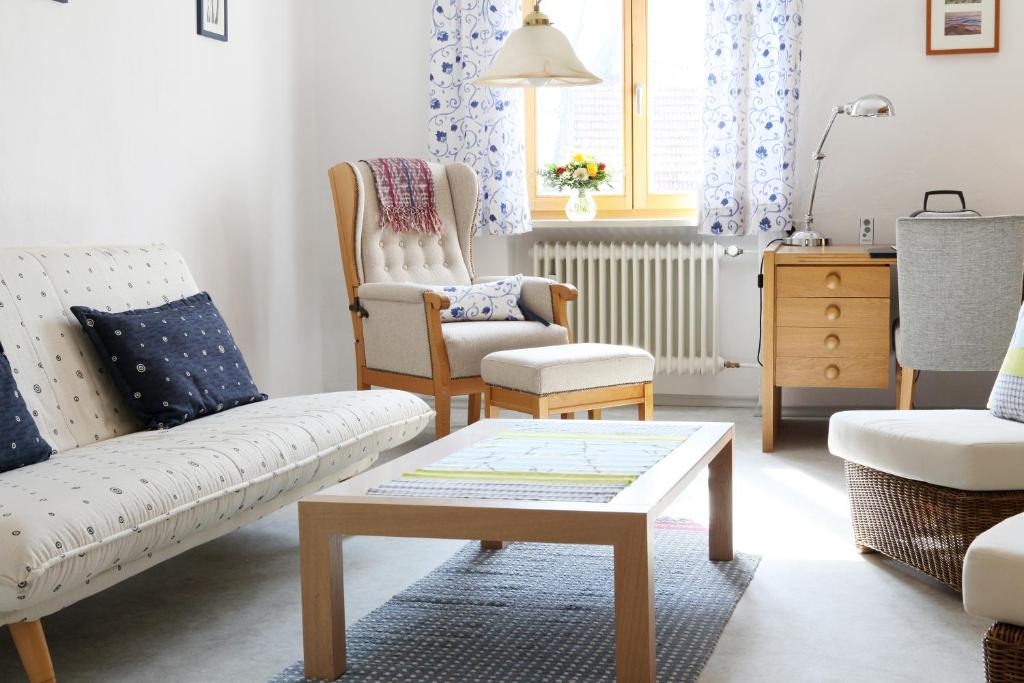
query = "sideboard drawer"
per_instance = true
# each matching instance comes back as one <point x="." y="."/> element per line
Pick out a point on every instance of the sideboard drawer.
<point x="868" y="373"/>
<point x="833" y="342"/>
<point x="839" y="281"/>
<point x="795" y="312"/>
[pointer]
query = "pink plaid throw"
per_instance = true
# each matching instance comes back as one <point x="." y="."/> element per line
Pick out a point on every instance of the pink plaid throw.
<point x="405" y="191"/>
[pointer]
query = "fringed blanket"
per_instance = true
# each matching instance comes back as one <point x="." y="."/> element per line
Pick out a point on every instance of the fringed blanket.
<point x="405" y="191"/>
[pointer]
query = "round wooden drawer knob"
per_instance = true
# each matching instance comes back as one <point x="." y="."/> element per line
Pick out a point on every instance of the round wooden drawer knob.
<point x="832" y="280"/>
<point x="832" y="342"/>
<point x="832" y="372"/>
<point x="833" y="312"/>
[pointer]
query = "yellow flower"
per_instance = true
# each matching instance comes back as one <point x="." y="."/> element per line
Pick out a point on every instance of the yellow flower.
<point x="577" y="157"/>
<point x="592" y="169"/>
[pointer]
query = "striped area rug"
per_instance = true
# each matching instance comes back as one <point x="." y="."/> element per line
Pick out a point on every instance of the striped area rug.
<point x="537" y="612"/>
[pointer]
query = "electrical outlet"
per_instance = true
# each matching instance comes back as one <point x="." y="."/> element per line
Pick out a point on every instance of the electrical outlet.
<point x="867" y="230"/>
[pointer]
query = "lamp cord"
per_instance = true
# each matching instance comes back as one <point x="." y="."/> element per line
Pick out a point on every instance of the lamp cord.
<point x="760" y="301"/>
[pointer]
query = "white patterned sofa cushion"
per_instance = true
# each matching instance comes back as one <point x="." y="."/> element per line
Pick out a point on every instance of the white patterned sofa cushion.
<point x="97" y="514"/>
<point x="73" y="401"/>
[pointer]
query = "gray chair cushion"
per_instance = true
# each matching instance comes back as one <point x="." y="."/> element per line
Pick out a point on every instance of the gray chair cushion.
<point x="468" y="343"/>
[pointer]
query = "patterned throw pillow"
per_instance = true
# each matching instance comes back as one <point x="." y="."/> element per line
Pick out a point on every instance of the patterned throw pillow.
<point x="172" y="363"/>
<point x="22" y="444"/>
<point x="1007" y="399"/>
<point x="498" y="300"/>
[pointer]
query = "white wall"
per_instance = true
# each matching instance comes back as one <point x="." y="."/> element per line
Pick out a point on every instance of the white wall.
<point x="958" y="125"/>
<point x="118" y="124"/>
<point x="366" y="74"/>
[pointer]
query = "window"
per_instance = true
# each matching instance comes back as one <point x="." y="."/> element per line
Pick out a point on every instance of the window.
<point x="644" y="120"/>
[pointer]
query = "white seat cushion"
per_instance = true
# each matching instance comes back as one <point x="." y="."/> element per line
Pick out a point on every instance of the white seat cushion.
<point x="572" y="367"/>
<point x="968" y="450"/>
<point x="994" y="573"/>
<point x="93" y="509"/>
<point x="469" y="343"/>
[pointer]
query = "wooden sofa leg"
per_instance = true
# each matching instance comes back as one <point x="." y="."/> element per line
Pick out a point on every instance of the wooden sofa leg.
<point x="906" y="385"/>
<point x="35" y="655"/>
<point x="443" y="417"/>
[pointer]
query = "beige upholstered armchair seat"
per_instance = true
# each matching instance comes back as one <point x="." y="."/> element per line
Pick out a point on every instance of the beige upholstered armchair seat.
<point x="394" y="282"/>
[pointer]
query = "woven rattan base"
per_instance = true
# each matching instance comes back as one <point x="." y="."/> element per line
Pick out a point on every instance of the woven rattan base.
<point x="925" y="526"/>
<point x="1004" y="654"/>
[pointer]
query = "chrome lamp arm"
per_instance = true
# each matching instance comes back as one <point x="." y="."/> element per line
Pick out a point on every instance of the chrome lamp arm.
<point x="819" y="156"/>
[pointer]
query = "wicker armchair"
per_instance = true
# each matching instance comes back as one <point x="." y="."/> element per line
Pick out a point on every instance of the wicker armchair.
<point x="924" y="484"/>
<point x="393" y="279"/>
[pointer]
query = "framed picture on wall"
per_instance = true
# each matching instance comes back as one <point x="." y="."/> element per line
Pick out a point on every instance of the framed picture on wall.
<point x="213" y="18"/>
<point x="962" y="26"/>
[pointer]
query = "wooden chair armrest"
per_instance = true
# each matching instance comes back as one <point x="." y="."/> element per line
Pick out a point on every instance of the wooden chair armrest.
<point x="562" y="294"/>
<point x="433" y="304"/>
<point x="565" y="292"/>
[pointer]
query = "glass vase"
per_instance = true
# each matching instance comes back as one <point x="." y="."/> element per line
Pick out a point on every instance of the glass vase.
<point x="581" y="206"/>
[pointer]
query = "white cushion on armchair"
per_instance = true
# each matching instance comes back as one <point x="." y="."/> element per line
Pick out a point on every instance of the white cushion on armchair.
<point x="468" y="343"/>
<point x="968" y="450"/>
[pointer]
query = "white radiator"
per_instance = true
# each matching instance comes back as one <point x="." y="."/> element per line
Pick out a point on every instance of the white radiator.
<point x="662" y="297"/>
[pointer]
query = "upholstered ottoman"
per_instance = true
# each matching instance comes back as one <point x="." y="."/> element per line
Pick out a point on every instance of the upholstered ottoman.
<point x="993" y="575"/>
<point x="568" y="378"/>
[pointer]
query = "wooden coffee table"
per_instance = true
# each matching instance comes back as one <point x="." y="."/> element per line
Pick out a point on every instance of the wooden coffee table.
<point x="625" y="523"/>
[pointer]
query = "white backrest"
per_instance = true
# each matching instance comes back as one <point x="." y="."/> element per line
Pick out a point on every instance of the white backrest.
<point x="446" y="259"/>
<point x="55" y="366"/>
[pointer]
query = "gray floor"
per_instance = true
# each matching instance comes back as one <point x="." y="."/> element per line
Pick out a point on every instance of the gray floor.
<point x="815" y="611"/>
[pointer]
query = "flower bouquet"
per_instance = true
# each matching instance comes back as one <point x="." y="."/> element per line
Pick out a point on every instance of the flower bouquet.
<point x="581" y="176"/>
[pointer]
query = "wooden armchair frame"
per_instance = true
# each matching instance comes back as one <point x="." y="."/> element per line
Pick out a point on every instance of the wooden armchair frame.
<point x="440" y="385"/>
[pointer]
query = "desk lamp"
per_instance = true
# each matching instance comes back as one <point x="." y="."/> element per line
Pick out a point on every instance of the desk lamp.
<point x="869" y="106"/>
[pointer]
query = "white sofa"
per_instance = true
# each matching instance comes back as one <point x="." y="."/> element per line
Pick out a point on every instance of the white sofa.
<point x="114" y="500"/>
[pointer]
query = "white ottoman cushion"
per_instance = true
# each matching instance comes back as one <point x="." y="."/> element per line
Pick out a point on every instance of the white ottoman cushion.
<point x="571" y="367"/>
<point x="968" y="450"/>
<point x="994" y="573"/>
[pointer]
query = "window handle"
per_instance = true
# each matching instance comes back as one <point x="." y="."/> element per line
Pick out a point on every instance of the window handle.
<point x="638" y="91"/>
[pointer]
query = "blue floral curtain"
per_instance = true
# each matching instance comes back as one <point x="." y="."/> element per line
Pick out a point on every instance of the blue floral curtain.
<point x="752" y="58"/>
<point x="482" y="127"/>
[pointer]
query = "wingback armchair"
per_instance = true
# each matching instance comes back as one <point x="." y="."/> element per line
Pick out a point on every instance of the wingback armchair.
<point x="393" y="279"/>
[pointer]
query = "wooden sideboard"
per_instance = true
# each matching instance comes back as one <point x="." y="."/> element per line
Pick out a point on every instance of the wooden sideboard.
<point x="826" y="323"/>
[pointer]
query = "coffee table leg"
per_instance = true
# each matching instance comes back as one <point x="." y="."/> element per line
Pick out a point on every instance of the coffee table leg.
<point x="720" y="491"/>
<point x="634" y="609"/>
<point x="323" y="600"/>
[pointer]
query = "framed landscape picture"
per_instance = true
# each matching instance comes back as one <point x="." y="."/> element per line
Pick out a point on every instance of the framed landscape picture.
<point x="962" y="26"/>
<point x="213" y="18"/>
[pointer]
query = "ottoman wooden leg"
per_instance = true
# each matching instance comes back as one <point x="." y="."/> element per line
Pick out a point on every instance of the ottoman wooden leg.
<point x="568" y="416"/>
<point x="594" y="414"/>
<point x="493" y="545"/>
<point x="645" y="410"/>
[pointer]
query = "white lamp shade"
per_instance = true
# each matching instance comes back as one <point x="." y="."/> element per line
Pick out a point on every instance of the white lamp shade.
<point x="535" y="56"/>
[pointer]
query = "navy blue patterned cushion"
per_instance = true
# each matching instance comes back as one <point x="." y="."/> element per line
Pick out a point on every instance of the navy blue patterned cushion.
<point x="172" y="363"/>
<point x="20" y="441"/>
